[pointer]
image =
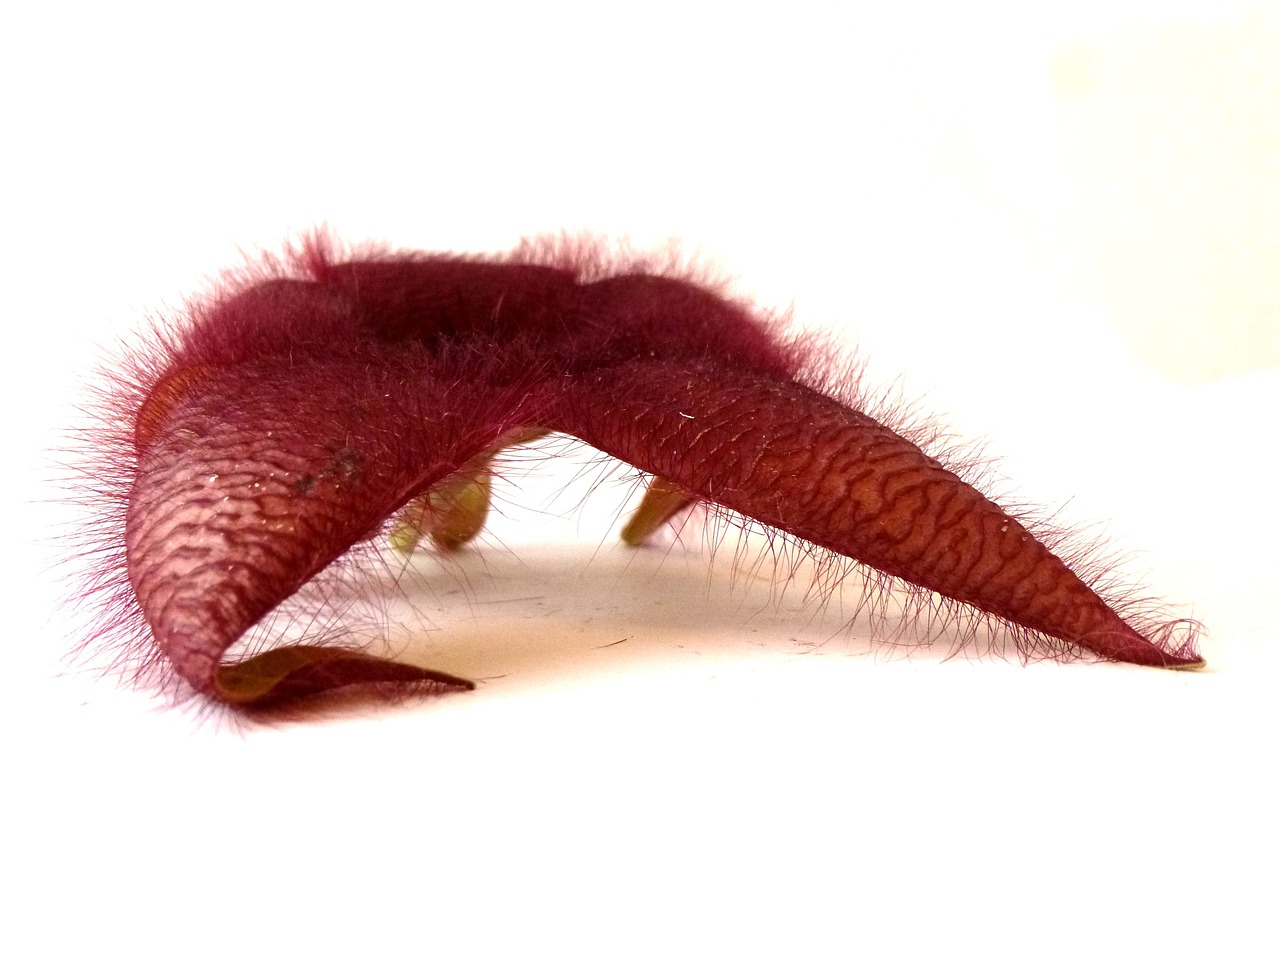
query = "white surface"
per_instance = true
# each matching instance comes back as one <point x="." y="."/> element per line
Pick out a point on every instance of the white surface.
<point x="738" y="778"/>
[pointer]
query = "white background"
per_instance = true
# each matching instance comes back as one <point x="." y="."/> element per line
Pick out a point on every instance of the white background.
<point x="1054" y="250"/>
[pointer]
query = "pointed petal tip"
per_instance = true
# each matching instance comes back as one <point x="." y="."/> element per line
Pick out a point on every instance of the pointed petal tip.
<point x="294" y="672"/>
